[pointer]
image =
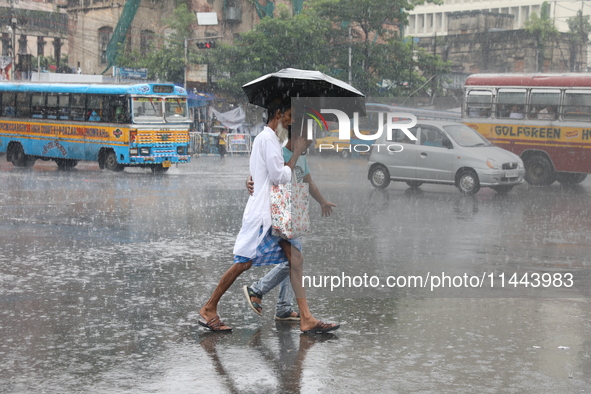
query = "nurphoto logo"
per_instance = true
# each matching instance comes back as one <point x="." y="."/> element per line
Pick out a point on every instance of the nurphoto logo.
<point x="358" y="142"/>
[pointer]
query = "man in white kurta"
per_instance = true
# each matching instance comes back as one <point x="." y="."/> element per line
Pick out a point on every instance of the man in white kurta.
<point x="268" y="168"/>
<point x="255" y="245"/>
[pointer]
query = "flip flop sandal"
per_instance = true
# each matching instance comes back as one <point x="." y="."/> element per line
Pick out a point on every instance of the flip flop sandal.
<point x="322" y="328"/>
<point x="248" y="292"/>
<point x="214" y="324"/>
<point x="288" y="317"/>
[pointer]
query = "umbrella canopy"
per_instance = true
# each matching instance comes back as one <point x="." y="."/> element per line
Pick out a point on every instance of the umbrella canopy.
<point x="291" y="82"/>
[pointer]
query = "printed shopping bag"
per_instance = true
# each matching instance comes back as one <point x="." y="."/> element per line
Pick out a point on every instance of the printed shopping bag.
<point x="289" y="210"/>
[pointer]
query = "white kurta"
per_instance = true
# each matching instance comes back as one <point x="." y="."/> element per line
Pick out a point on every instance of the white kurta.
<point x="267" y="168"/>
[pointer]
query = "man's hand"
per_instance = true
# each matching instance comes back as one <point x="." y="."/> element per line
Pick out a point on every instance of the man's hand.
<point x="250" y="185"/>
<point x="326" y="207"/>
<point x="300" y="145"/>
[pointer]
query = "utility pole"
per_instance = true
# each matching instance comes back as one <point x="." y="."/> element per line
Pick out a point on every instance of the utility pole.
<point x="434" y="81"/>
<point x="185" y="64"/>
<point x="13" y="68"/>
<point x="582" y="61"/>
<point x="13" y="32"/>
<point x="350" y="74"/>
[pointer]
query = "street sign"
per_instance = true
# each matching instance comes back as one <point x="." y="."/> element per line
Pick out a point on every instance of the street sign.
<point x="197" y="73"/>
<point x="130" y="73"/>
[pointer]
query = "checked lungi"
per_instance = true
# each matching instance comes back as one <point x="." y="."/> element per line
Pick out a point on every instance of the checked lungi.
<point x="269" y="252"/>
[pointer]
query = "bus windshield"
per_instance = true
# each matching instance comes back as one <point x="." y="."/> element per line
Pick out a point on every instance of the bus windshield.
<point x="148" y="109"/>
<point x="465" y="136"/>
<point x="175" y="109"/>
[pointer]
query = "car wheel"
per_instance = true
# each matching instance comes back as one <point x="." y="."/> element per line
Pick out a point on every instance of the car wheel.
<point x="345" y="154"/>
<point x="570" y="178"/>
<point x="414" y="184"/>
<point x="503" y="189"/>
<point x="111" y="162"/>
<point x="539" y="171"/>
<point x="379" y="177"/>
<point x="468" y="182"/>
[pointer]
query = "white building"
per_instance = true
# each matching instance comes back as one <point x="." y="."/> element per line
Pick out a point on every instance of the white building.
<point x="430" y="19"/>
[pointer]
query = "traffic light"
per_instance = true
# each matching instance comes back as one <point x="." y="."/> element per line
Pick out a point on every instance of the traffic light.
<point x="206" y="45"/>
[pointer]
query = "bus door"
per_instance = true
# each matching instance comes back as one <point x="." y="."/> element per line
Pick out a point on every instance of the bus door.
<point x="576" y="109"/>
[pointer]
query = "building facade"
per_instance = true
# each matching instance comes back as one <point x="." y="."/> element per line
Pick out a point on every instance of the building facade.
<point x="429" y="20"/>
<point x="32" y="27"/>
<point x="93" y="23"/>
<point x="482" y="41"/>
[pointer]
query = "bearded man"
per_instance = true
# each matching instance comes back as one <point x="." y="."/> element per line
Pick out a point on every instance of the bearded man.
<point x="255" y="245"/>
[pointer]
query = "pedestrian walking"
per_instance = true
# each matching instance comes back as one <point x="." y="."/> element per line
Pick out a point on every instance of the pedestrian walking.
<point x="279" y="275"/>
<point x="255" y="245"/>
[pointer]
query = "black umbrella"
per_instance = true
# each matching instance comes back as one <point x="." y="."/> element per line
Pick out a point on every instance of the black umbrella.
<point x="291" y="82"/>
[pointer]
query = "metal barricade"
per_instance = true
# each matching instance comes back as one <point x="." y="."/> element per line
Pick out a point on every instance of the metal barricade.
<point x="207" y="143"/>
<point x="239" y="143"/>
<point x="194" y="143"/>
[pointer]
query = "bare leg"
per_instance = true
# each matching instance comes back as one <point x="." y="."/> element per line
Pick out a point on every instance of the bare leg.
<point x="296" y="265"/>
<point x="210" y="309"/>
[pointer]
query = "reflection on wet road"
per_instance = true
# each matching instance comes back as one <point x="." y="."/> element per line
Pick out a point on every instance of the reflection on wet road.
<point x="102" y="274"/>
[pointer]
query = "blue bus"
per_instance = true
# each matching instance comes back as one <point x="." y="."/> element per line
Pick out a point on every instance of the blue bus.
<point x="136" y="125"/>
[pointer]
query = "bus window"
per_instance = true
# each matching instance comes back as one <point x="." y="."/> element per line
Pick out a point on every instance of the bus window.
<point x="479" y="104"/>
<point x="38" y="105"/>
<point x="52" y="105"/>
<point x="94" y="111"/>
<point x="64" y="106"/>
<point x="77" y="107"/>
<point x="577" y="105"/>
<point x="23" y="102"/>
<point x="544" y="104"/>
<point x="511" y="103"/>
<point x="175" y="109"/>
<point x="147" y="109"/>
<point x="119" y="110"/>
<point x="8" y="104"/>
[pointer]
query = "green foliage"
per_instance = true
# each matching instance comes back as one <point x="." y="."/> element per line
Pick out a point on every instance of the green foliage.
<point x="543" y="29"/>
<point x="275" y="43"/>
<point x="543" y="26"/>
<point x="315" y="39"/>
<point x="580" y="27"/>
<point x="318" y="38"/>
<point x="46" y="61"/>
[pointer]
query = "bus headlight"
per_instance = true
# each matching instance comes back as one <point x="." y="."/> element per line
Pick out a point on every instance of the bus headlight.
<point x="491" y="163"/>
<point x="144" y="151"/>
<point x="181" y="150"/>
<point x="133" y="151"/>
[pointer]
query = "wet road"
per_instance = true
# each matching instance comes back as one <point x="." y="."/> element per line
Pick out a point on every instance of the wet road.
<point x="102" y="274"/>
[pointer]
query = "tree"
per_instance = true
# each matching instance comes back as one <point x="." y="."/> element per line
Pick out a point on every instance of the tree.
<point x="579" y="27"/>
<point x="317" y="39"/>
<point x="284" y="41"/>
<point x="543" y="29"/>
<point x="376" y="50"/>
